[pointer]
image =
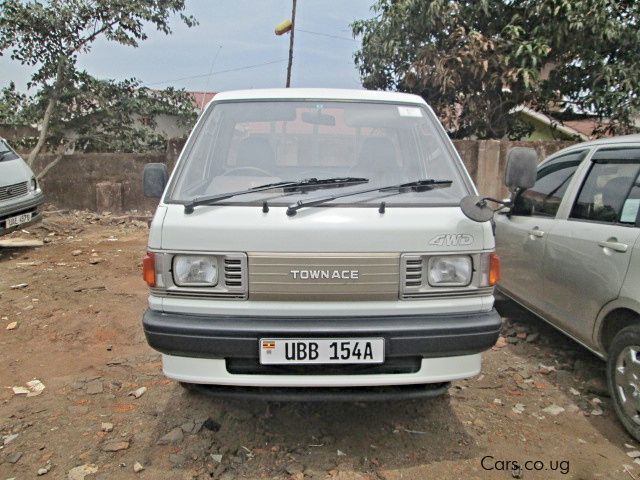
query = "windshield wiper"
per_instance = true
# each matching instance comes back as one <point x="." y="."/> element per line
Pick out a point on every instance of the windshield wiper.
<point x="288" y="186"/>
<point x="416" y="186"/>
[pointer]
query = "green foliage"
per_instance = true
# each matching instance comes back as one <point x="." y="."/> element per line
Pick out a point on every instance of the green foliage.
<point x="70" y="105"/>
<point x="13" y="106"/>
<point x="114" y="116"/>
<point x="100" y="115"/>
<point x="474" y="61"/>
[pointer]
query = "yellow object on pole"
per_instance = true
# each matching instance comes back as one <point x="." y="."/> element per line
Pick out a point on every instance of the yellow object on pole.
<point x="284" y="27"/>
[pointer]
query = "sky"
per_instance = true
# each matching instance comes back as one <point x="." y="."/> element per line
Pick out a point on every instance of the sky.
<point x="232" y="35"/>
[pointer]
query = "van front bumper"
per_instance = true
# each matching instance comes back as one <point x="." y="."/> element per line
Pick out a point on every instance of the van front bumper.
<point x="207" y="348"/>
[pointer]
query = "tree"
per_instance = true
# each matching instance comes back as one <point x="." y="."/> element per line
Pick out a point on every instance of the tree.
<point x="12" y="105"/>
<point x="50" y="35"/>
<point x="474" y="61"/>
<point x="106" y="116"/>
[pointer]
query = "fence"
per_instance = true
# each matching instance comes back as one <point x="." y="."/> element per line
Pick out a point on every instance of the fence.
<point x="113" y="181"/>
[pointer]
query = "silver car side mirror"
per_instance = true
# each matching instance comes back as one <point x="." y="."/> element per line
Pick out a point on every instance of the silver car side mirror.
<point x="522" y="163"/>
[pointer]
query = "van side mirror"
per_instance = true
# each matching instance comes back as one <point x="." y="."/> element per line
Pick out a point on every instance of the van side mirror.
<point x="154" y="179"/>
<point x="476" y="208"/>
<point x="522" y="163"/>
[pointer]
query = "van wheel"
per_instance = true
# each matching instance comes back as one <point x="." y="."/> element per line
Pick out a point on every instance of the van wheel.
<point x="623" y="376"/>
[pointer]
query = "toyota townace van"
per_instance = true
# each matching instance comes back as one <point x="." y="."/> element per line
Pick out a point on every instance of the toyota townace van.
<point x="312" y="243"/>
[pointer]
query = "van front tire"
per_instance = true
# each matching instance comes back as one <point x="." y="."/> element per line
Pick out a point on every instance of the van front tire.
<point x="623" y="377"/>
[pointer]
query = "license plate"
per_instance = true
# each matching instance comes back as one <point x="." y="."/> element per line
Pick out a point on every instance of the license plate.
<point x="281" y="351"/>
<point x="19" y="220"/>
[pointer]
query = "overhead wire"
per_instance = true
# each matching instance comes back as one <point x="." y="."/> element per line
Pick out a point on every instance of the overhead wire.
<point x="247" y="67"/>
<point x="237" y="69"/>
<point x="326" y="35"/>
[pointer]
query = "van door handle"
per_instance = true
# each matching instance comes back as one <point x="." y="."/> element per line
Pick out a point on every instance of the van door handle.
<point x="613" y="245"/>
<point x="536" y="232"/>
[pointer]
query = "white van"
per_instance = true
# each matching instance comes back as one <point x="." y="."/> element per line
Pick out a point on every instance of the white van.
<point x="312" y="242"/>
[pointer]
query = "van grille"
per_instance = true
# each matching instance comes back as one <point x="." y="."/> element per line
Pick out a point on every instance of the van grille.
<point x="324" y="276"/>
<point x="12" y="191"/>
<point x="233" y="275"/>
<point x="413" y="268"/>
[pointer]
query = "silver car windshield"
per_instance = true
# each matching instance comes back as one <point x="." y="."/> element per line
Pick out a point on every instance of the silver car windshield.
<point x="6" y="153"/>
<point x="239" y="145"/>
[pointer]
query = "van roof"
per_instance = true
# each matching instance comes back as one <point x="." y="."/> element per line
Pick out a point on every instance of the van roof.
<point x="318" y="94"/>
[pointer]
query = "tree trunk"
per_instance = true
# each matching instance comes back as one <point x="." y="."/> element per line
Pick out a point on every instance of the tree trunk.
<point x="60" y="153"/>
<point x="51" y="105"/>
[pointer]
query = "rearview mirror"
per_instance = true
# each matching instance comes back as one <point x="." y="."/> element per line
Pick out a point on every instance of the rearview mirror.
<point x="154" y="179"/>
<point x="520" y="173"/>
<point x="318" y="118"/>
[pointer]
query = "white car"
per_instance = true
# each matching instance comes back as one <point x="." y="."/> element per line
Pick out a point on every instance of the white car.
<point x="20" y="194"/>
<point x="311" y="244"/>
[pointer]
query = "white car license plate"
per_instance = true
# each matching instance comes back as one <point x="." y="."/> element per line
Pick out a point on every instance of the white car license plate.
<point x="18" y="220"/>
<point x="281" y="351"/>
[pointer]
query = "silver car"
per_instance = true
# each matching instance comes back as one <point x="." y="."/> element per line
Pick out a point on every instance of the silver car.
<point x="570" y="254"/>
<point x="20" y="194"/>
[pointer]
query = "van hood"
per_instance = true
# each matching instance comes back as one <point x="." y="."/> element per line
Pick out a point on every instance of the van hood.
<point x="14" y="171"/>
<point x="319" y="229"/>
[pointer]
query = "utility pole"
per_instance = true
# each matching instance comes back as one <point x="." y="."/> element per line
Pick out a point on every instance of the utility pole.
<point x="293" y="26"/>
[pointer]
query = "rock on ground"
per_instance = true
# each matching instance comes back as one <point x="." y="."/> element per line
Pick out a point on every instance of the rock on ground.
<point x="172" y="437"/>
<point x="79" y="473"/>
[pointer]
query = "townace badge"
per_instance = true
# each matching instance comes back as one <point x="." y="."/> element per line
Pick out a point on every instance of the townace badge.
<point x="325" y="274"/>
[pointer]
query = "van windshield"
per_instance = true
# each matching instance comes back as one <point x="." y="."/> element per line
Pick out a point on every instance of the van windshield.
<point x="241" y="145"/>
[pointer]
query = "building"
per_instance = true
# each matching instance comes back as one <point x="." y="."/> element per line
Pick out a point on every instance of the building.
<point x="170" y="127"/>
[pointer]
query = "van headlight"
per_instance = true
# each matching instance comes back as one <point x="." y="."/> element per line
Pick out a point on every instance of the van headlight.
<point x="195" y="270"/>
<point x="33" y="184"/>
<point x="450" y="271"/>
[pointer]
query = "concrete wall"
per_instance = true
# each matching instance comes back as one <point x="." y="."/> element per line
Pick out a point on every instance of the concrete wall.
<point x="486" y="160"/>
<point x="113" y="182"/>
<point x="98" y="181"/>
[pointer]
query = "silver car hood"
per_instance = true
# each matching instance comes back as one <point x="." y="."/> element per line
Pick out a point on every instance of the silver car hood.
<point x="14" y="171"/>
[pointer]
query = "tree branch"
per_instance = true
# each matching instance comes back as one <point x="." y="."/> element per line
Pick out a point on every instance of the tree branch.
<point x="61" y="149"/>
<point x="51" y="105"/>
<point x="95" y="34"/>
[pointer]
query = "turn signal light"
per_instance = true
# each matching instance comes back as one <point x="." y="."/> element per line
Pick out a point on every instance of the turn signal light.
<point x="149" y="269"/>
<point x="494" y="269"/>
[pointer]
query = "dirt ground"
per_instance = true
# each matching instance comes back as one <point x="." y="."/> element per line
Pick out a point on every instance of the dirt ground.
<point x="78" y="301"/>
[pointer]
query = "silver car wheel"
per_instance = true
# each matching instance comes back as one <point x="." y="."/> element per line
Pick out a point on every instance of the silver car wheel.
<point x="627" y="382"/>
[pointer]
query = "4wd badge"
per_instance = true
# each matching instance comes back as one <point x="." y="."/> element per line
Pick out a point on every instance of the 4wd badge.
<point x="451" y="240"/>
